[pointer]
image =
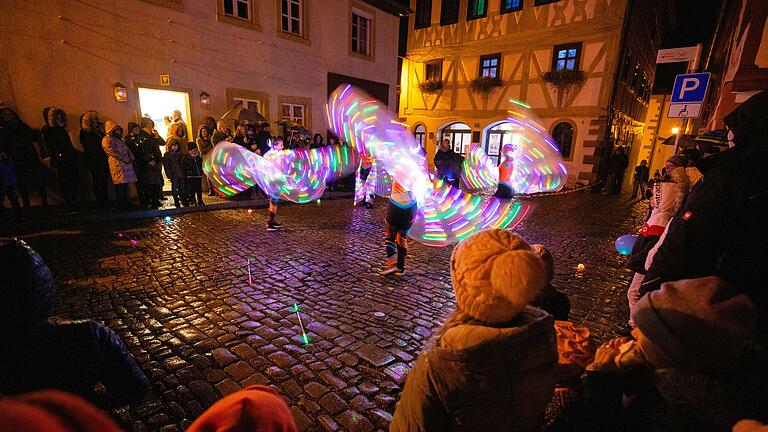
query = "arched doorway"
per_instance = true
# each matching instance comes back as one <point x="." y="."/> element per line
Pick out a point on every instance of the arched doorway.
<point x="420" y="132"/>
<point x="495" y="138"/>
<point x="562" y="133"/>
<point x="460" y="136"/>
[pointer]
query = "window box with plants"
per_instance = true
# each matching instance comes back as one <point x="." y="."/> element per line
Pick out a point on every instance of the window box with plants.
<point x="485" y="84"/>
<point x="431" y="86"/>
<point x="565" y="81"/>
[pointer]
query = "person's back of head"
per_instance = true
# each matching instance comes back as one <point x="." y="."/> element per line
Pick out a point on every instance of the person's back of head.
<point x="257" y="408"/>
<point x="27" y="288"/>
<point x="748" y="122"/>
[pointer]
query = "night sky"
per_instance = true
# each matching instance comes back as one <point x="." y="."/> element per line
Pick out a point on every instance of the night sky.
<point x="694" y="22"/>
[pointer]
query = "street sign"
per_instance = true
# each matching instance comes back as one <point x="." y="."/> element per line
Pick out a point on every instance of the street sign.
<point x="676" y="55"/>
<point x="688" y="95"/>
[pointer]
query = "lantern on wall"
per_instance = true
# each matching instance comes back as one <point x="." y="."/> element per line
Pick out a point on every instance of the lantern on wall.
<point x="120" y="93"/>
<point x="205" y="100"/>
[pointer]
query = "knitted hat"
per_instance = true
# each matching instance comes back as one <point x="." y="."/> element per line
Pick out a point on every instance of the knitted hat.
<point x="698" y="324"/>
<point x="678" y="160"/>
<point x="258" y="408"/>
<point x="495" y="275"/>
<point x="109" y="125"/>
<point x="52" y="411"/>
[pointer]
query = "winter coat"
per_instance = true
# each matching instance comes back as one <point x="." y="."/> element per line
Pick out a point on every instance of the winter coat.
<point x="63" y="152"/>
<point x="618" y="163"/>
<point x="641" y="174"/>
<point x="720" y="229"/>
<point x="482" y="378"/>
<point x="91" y="141"/>
<point x="173" y="131"/>
<point x="448" y="163"/>
<point x="149" y="145"/>
<point x="18" y="141"/>
<point x="218" y="137"/>
<point x="172" y="162"/>
<point x="193" y="166"/>
<point x="262" y="141"/>
<point x="666" y="198"/>
<point x="72" y="356"/>
<point x="8" y="174"/>
<point x="669" y="400"/>
<point x="203" y="144"/>
<point x="120" y="160"/>
<point x="132" y="141"/>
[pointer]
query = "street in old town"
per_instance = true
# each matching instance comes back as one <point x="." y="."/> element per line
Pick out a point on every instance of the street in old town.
<point x="177" y="291"/>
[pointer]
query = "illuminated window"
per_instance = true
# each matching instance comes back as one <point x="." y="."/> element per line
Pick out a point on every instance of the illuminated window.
<point x="423" y="13"/>
<point x="433" y="70"/>
<point x="566" y="56"/>
<point x="238" y="9"/>
<point x="420" y="133"/>
<point x="489" y="65"/>
<point x="511" y="5"/>
<point x="476" y="9"/>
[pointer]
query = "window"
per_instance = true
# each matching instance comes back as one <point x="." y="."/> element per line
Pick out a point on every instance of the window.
<point x="449" y="12"/>
<point x="511" y="5"/>
<point x="433" y="70"/>
<point x="543" y="2"/>
<point x="566" y="56"/>
<point x="489" y="65"/>
<point x="460" y="136"/>
<point x="420" y="133"/>
<point x="361" y="33"/>
<point x="423" y="13"/>
<point x="251" y="104"/>
<point x="290" y="16"/>
<point x="293" y="112"/>
<point x="237" y="8"/>
<point x="476" y="9"/>
<point x="563" y="136"/>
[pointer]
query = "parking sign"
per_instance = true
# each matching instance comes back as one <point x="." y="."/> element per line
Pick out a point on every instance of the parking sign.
<point x="688" y="95"/>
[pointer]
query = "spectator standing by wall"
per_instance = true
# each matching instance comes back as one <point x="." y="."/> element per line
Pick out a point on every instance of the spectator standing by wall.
<point x="21" y="144"/>
<point x="150" y="143"/>
<point x="193" y="168"/>
<point x="91" y="135"/>
<point x="222" y="133"/>
<point x="8" y="182"/>
<point x="132" y="141"/>
<point x="616" y="166"/>
<point x="448" y="164"/>
<point x="64" y="156"/>
<point x="120" y="161"/>
<point x="317" y="141"/>
<point x="172" y="162"/>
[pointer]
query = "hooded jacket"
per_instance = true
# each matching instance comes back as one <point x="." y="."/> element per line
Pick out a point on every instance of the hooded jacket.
<point x="120" y="160"/>
<point x="482" y="378"/>
<point x="63" y="152"/>
<point x="203" y="144"/>
<point x="720" y="229"/>
<point x="71" y="356"/>
<point x="90" y="139"/>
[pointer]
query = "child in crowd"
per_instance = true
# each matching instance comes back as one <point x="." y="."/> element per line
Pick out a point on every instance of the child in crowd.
<point x="506" y="171"/>
<point x="550" y="299"/>
<point x="491" y="367"/>
<point x="272" y="224"/>
<point x="193" y="168"/>
<point x="172" y="162"/>
<point x="401" y="212"/>
<point x="8" y="181"/>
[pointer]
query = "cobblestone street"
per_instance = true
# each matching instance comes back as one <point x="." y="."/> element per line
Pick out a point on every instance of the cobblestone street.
<point x="178" y="293"/>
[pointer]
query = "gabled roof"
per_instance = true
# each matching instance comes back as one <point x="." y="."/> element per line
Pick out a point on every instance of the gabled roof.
<point x="393" y="7"/>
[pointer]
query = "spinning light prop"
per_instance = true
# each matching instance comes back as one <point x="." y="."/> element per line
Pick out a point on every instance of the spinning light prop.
<point x="538" y="164"/>
<point x="299" y="175"/>
<point x="446" y="215"/>
<point x="378" y="183"/>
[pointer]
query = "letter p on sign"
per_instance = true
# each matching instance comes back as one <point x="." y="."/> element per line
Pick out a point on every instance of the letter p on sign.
<point x="690" y="88"/>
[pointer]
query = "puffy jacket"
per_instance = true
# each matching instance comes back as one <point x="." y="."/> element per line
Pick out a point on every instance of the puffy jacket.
<point x="71" y="356"/>
<point x="482" y="378"/>
<point x="173" y="164"/>
<point x="720" y="229"/>
<point x="120" y="160"/>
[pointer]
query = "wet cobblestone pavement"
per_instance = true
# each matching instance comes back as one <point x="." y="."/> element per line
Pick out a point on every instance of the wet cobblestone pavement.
<point x="178" y="293"/>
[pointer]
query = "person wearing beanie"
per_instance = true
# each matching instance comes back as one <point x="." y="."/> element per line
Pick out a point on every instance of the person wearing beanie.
<point x="718" y="229"/>
<point x="257" y="408"/>
<point x="193" y="168"/>
<point x="691" y="365"/>
<point x="491" y="367"/>
<point x="550" y="299"/>
<point x="120" y="161"/>
<point x="69" y="356"/>
<point x="52" y="411"/>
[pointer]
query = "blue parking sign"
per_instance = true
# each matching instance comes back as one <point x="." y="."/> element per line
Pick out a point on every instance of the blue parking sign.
<point x="690" y="88"/>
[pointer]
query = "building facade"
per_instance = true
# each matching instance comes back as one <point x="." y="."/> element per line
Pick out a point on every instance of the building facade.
<point x="127" y="58"/>
<point x="452" y="43"/>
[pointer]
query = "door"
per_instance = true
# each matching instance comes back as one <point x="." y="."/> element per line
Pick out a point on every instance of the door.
<point x="158" y="104"/>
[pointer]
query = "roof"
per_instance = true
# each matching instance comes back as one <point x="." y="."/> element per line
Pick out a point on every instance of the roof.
<point x="393" y="7"/>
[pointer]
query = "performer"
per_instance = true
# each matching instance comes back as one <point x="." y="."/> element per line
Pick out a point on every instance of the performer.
<point x="366" y="162"/>
<point x="272" y="224"/>
<point x="401" y="213"/>
<point x="506" y="171"/>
